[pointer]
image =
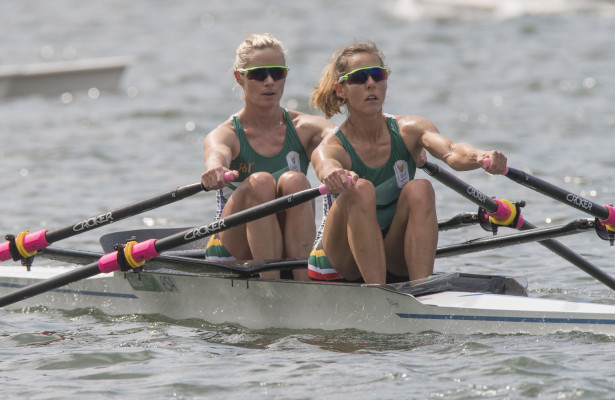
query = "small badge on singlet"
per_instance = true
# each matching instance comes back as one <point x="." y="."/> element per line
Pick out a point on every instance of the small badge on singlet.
<point x="292" y="158"/>
<point x="401" y="172"/>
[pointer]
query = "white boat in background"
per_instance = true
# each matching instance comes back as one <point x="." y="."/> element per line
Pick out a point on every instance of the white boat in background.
<point x="55" y="78"/>
<point x="416" y="9"/>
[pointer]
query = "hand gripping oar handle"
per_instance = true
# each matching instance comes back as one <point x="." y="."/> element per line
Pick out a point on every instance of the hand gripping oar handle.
<point x="27" y="244"/>
<point x="140" y="252"/>
<point x="482" y="200"/>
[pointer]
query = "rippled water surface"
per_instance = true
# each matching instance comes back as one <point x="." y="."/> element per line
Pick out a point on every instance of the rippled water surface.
<point x="534" y="79"/>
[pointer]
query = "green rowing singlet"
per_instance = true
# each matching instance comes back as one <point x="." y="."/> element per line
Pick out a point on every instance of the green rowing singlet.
<point x="389" y="178"/>
<point x="292" y="157"/>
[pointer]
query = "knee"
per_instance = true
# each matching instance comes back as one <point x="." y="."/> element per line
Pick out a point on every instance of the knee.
<point x="419" y="193"/>
<point x="363" y="194"/>
<point x="292" y="182"/>
<point x="261" y="186"/>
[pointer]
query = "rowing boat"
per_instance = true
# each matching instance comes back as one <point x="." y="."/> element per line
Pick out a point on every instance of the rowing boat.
<point x="454" y="303"/>
<point x="177" y="283"/>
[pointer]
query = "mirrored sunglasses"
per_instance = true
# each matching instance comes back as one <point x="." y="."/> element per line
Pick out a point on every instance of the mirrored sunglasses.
<point x="276" y="72"/>
<point x="360" y="76"/>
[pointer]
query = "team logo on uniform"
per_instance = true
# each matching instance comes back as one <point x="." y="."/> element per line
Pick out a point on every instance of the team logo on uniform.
<point x="401" y="173"/>
<point x="292" y="158"/>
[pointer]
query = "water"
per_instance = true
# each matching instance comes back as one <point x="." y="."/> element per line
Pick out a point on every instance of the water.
<point x="533" y="79"/>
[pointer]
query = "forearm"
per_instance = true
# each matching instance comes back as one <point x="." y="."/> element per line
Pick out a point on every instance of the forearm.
<point x="216" y="159"/>
<point x="464" y="157"/>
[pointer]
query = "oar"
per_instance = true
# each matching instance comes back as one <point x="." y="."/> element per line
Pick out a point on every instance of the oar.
<point x="26" y="244"/>
<point x="135" y="254"/>
<point x="109" y="241"/>
<point x="495" y="207"/>
<point x="183" y="261"/>
<point x="606" y="214"/>
<point x="194" y="259"/>
<point x="526" y="236"/>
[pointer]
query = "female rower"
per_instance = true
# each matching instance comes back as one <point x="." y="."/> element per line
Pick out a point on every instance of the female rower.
<point x="268" y="148"/>
<point x="382" y="225"/>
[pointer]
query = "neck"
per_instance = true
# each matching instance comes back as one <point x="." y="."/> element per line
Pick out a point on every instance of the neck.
<point x="367" y="127"/>
<point x="262" y="117"/>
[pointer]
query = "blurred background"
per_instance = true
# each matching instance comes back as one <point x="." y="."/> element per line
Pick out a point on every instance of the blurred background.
<point x="533" y="79"/>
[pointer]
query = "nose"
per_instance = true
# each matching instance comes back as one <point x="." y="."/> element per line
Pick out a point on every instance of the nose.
<point x="269" y="78"/>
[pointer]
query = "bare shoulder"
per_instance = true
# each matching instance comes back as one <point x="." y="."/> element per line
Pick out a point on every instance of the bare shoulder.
<point x="415" y="124"/>
<point x="223" y="134"/>
<point x="309" y="123"/>
<point x="331" y="139"/>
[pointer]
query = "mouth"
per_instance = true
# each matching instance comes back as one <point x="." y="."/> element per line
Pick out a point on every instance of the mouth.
<point x="371" y="98"/>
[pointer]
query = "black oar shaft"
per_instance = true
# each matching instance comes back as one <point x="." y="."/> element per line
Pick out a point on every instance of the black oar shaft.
<point x="236" y="219"/>
<point x="559" y="194"/>
<point x="123" y="212"/>
<point x="527" y="236"/>
<point x="467" y="191"/>
<point x="480" y="199"/>
<point x="574" y="259"/>
<point x="250" y="214"/>
<point x="50" y="284"/>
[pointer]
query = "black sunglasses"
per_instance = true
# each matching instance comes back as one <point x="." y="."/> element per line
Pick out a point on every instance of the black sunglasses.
<point x="276" y="72"/>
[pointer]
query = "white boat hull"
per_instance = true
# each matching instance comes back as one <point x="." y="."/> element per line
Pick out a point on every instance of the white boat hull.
<point x="261" y="304"/>
<point x="55" y="78"/>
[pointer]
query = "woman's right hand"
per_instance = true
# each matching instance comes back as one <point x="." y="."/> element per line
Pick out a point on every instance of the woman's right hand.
<point x="339" y="180"/>
<point x="216" y="178"/>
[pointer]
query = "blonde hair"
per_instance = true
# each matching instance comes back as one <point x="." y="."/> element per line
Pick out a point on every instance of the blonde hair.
<point x="324" y="96"/>
<point x="256" y="41"/>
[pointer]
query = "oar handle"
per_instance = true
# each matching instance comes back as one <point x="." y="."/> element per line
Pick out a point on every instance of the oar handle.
<point x="29" y="243"/>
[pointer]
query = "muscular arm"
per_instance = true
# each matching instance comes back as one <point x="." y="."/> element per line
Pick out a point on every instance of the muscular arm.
<point x="332" y="165"/>
<point x="219" y="148"/>
<point x="419" y="133"/>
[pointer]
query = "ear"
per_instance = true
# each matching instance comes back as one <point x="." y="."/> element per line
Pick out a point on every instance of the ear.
<point x="339" y="90"/>
<point x="238" y="77"/>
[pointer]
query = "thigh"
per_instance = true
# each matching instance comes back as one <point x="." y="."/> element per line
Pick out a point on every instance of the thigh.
<point x="256" y="189"/>
<point x="416" y="196"/>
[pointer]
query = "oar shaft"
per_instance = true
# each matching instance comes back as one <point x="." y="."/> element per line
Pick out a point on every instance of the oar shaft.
<point x="238" y="218"/>
<point x="152" y="248"/>
<point x="574" y="258"/>
<point x="479" y="198"/>
<point x="35" y="241"/>
<point x="527" y="236"/>
<point x="559" y="194"/>
<point x="50" y="284"/>
<point x="467" y="191"/>
<point x="123" y="212"/>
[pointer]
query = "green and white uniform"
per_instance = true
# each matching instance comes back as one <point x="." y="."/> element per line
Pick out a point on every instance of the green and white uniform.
<point x="292" y="157"/>
<point x="388" y="180"/>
